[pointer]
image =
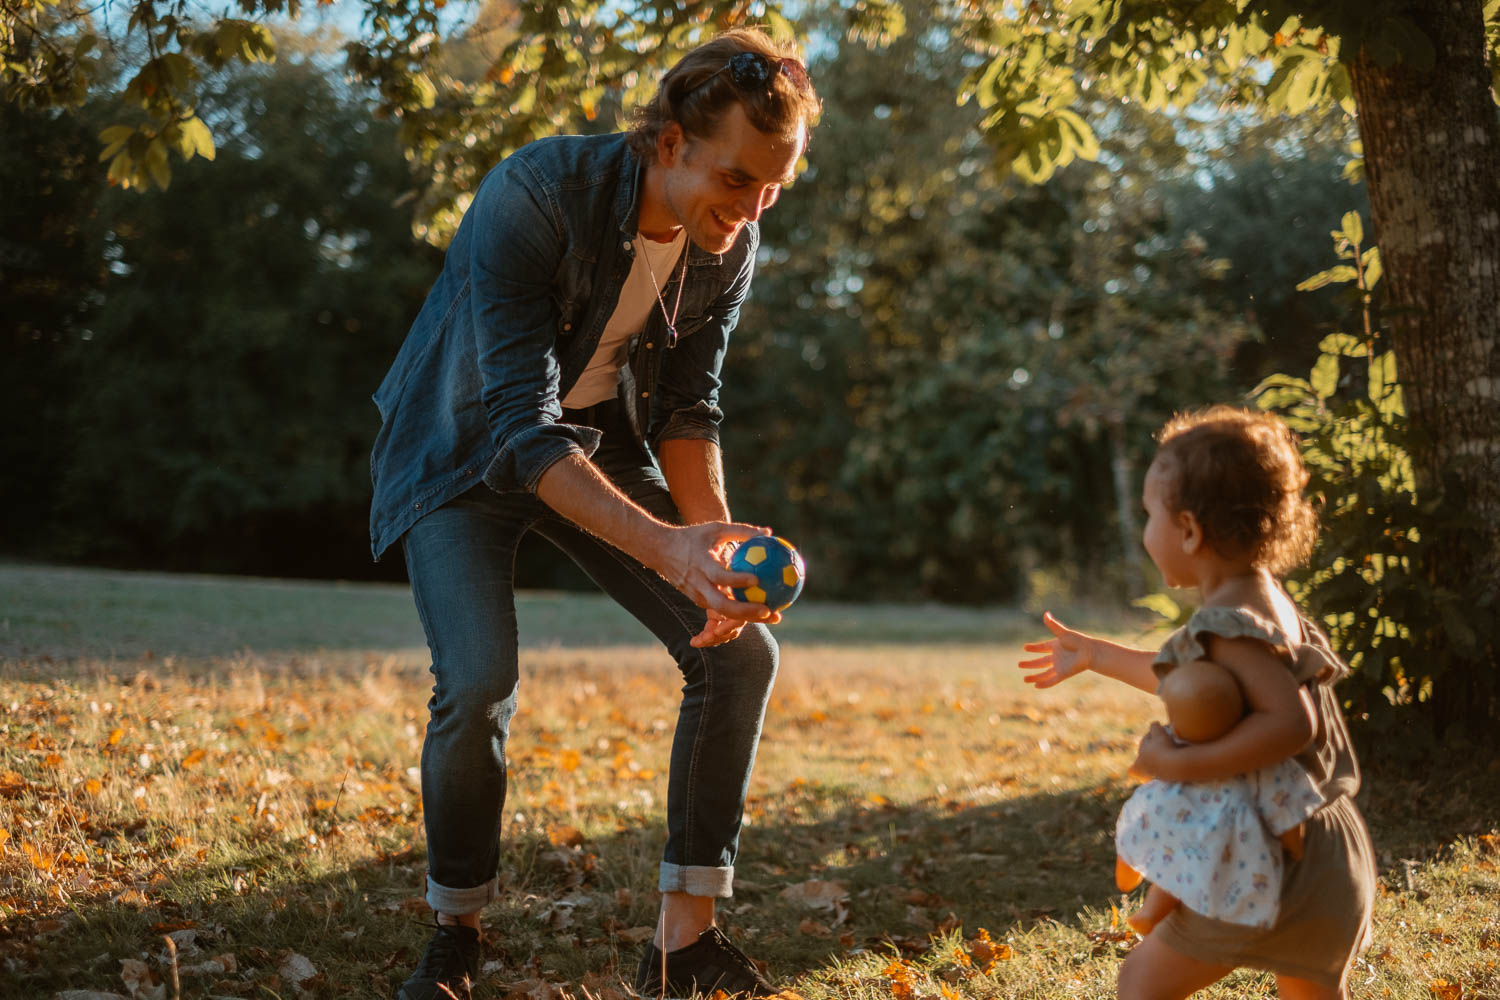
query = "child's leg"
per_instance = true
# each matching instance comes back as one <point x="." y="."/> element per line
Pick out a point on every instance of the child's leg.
<point x="1154" y="909"/>
<point x="1288" y="988"/>
<point x="1153" y="971"/>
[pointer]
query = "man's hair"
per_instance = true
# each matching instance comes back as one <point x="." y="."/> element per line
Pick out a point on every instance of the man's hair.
<point x="695" y="93"/>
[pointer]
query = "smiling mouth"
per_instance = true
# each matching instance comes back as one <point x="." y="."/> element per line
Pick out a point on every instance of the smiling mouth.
<point x="723" y="221"/>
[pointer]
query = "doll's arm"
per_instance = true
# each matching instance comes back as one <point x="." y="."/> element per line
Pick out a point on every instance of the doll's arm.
<point x="1280" y="720"/>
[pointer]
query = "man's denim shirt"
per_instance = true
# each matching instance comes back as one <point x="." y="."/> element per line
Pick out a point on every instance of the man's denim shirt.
<point x="530" y="279"/>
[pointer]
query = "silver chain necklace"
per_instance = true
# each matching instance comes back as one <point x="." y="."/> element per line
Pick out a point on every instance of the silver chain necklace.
<point x="681" y="280"/>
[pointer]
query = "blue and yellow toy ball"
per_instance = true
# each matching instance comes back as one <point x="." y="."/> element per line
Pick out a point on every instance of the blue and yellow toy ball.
<point x="778" y="565"/>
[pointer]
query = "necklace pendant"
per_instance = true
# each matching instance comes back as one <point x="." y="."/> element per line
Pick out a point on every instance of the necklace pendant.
<point x="671" y="317"/>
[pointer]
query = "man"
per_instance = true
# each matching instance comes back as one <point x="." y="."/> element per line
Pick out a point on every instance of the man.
<point x="562" y="378"/>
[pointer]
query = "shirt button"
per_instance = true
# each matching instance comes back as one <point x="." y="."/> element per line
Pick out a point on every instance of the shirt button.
<point x="567" y="326"/>
<point x="625" y="245"/>
<point x="649" y="345"/>
<point x="645" y="394"/>
<point x="417" y="505"/>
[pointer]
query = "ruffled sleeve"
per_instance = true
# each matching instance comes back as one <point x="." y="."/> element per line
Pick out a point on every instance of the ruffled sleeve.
<point x="1310" y="659"/>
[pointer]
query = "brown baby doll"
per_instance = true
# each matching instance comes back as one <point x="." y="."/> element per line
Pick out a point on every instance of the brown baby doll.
<point x="1203" y="702"/>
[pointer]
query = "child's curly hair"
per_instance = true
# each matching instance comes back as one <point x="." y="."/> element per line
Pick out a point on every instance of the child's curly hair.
<point x="1240" y="473"/>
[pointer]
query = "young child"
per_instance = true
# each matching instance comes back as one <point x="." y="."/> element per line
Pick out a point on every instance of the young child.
<point x="1226" y="516"/>
<point x="1215" y="845"/>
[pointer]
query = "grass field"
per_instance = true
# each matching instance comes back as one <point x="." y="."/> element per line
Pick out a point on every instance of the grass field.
<point x="214" y="780"/>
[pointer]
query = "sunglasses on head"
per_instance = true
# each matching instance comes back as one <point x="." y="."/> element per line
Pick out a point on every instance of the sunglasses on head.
<point x="752" y="71"/>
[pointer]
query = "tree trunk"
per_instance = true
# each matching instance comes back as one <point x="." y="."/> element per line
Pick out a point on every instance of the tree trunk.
<point x="1432" y="166"/>
<point x="1127" y="500"/>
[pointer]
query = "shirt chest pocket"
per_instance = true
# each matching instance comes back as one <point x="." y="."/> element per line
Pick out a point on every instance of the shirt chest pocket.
<point x="697" y="304"/>
<point x="572" y="287"/>
<point x="689" y="325"/>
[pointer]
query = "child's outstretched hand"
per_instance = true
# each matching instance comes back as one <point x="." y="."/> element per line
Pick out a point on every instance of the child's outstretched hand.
<point x="1066" y="654"/>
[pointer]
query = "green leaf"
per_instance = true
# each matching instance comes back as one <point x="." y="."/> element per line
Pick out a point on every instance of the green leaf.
<point x="1382" y="376"/>
<point x="1353" y="228"/>
<point x="1033" y="164"/>
<point x="199" y="138"/>
<point x="1084" y="141"/>
<point x="156" y="163"/>
<point x="1344" y="345"/>
<point x="121" y="168"/>
<point x="1279" y="398"/>
<point x="1338" y="274"/>
<point x="1325" y="375"/>
<point x="1233" y="52"/>
<point x="423" y="91"/>
<point x="1281" y="80"/>
<point x="256" y="43"/>
<point x="1303" y="86"/>
<point x="1341" y="88"/>
<point x="1279" y="381"/>
<point x="114" y="138"/>
<point x="1373" y="269"/>
<point x="984" y="90"/>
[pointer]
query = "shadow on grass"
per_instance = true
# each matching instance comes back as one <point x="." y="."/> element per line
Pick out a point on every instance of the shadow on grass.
<point x="569" y="914"/>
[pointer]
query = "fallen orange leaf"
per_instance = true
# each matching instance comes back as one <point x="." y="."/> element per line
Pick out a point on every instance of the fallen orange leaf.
<point x="39" y="861"/>
<point x="812" y="928"/>
<point x="985" y="953"/>
<point x="564" y="836"/>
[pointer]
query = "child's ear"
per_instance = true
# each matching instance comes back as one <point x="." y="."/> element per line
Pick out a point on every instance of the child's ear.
<point x="1192" y="532"/>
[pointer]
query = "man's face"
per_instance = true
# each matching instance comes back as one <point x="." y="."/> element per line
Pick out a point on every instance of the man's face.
<point x="715" y="184"/>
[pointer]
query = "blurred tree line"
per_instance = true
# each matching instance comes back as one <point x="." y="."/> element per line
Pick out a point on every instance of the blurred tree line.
<point x="943" y="386"/>
<point x="188" y="371"/>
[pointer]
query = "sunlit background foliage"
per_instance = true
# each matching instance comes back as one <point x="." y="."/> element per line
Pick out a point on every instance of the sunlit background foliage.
<point x="1024" y="235"/>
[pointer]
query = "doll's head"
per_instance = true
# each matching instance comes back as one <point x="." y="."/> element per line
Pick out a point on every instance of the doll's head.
<point x="1239" y="475"/>
<point x="1203" y="700"/>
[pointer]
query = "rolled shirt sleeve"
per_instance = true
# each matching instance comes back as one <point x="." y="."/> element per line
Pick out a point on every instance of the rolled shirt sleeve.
<point x="687" y="405"/>
<point x="516" y="250"/>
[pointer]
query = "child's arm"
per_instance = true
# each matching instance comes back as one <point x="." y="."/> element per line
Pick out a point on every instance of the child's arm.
<point x="1280" y="721"/>
<point x="1071" y="652"/>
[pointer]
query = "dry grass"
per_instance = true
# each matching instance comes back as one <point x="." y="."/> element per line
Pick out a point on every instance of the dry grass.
<point x="263" y="811"/>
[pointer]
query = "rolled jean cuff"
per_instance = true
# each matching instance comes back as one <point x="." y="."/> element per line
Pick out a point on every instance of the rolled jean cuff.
<point x="697" y="880"/>
<point x="457" y="902"/>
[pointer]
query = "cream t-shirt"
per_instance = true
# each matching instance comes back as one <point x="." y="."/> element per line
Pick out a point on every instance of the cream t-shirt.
<point x="600" y="379"/>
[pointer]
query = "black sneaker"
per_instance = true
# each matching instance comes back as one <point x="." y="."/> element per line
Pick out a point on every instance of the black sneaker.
<point x="449" y="966"/>
<point x="709" y="965"/>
